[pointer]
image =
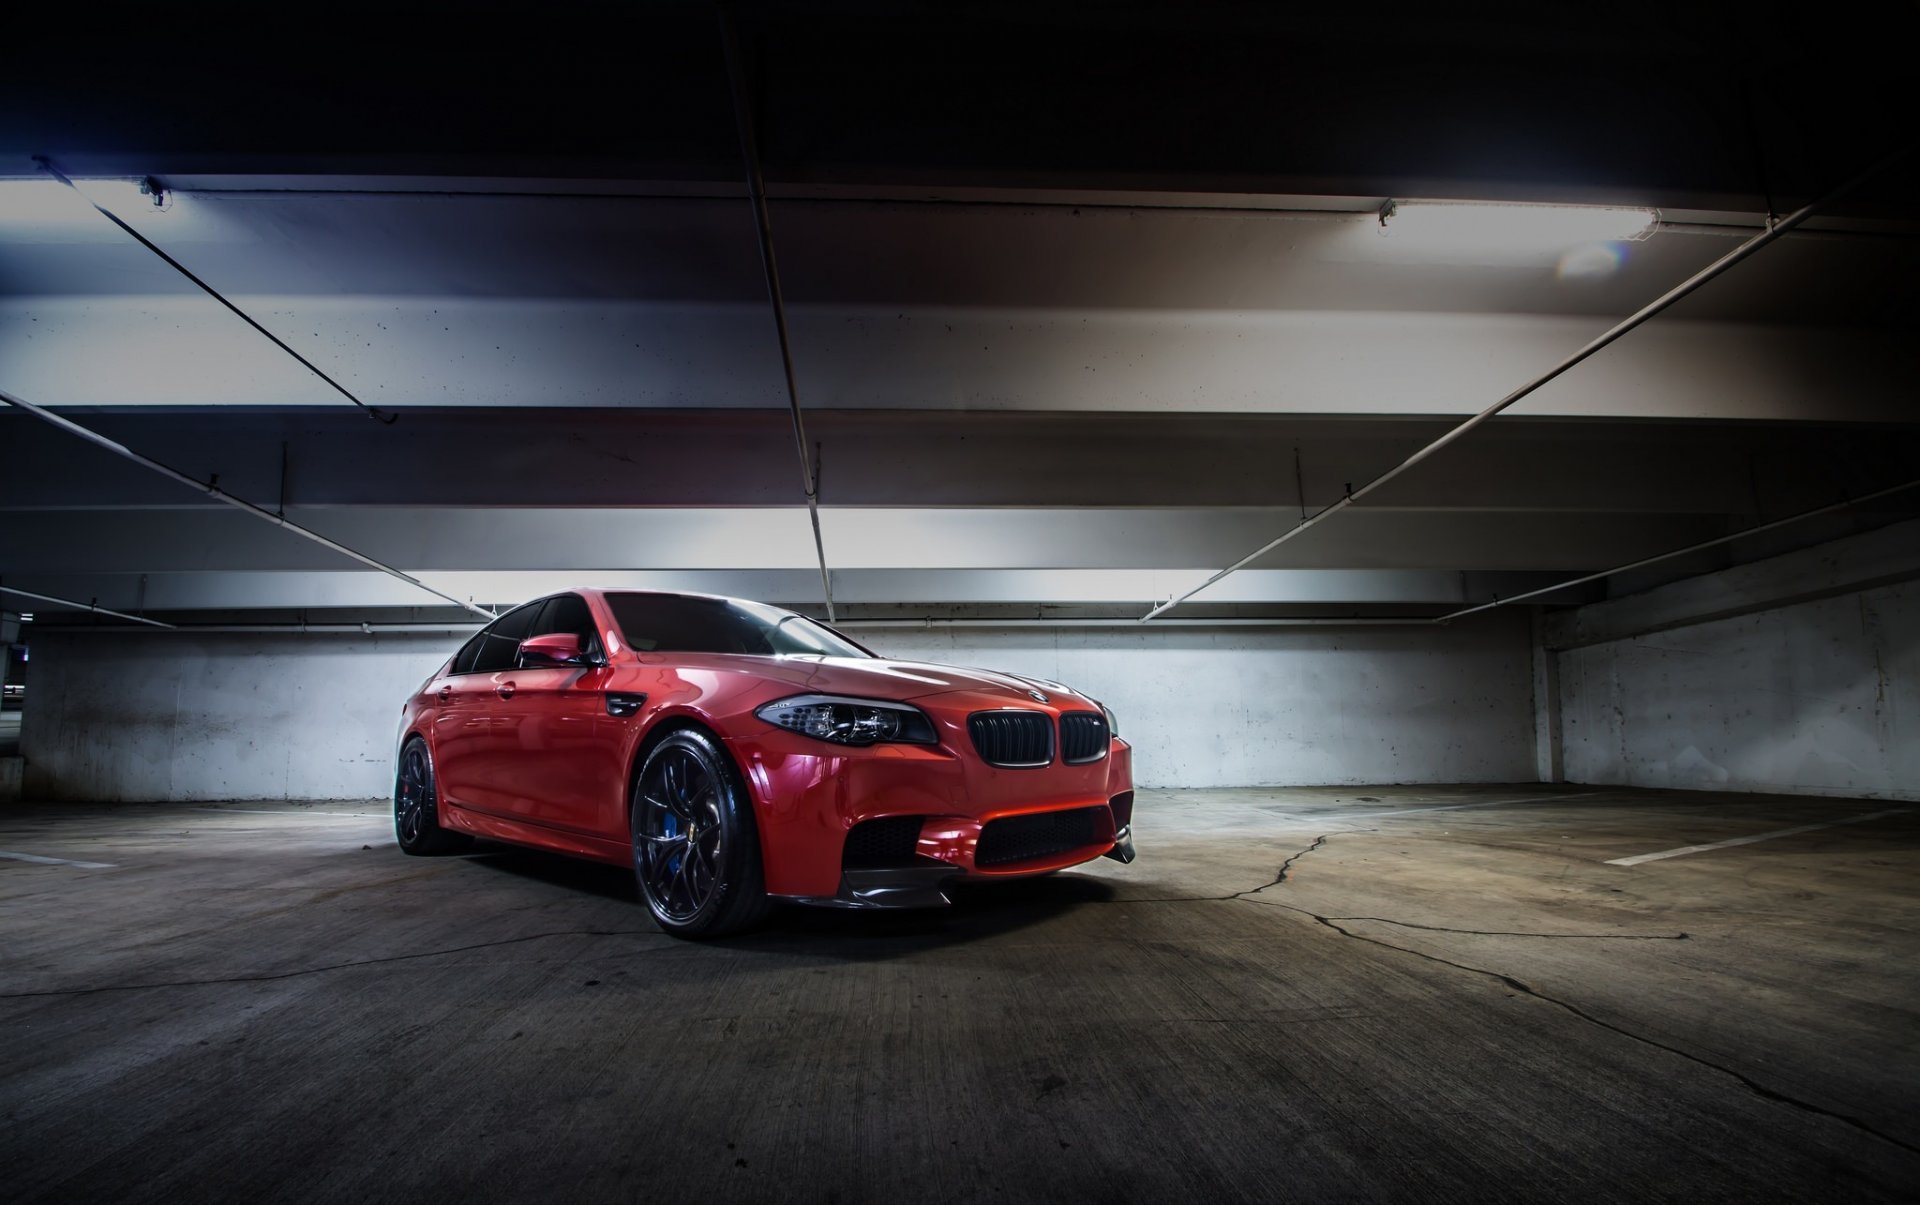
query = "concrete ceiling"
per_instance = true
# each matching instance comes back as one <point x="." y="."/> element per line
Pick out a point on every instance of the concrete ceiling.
<point x="1083" y="309"/>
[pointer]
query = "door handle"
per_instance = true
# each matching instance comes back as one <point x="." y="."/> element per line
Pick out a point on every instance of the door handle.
<point x="446" y="692"/>
<point x="504" y="690"/>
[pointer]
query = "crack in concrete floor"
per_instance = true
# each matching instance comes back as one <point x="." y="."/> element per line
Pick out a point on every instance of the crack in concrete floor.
<point x="1280" y="877"/>
<point x="1407" y="924"/>
<point x="1250" y="895"/>
<point x="1752" y="1085"/>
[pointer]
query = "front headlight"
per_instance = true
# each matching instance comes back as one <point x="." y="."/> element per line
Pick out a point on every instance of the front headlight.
<point x="847" y="721"/>
<point x="1113" y="721"/>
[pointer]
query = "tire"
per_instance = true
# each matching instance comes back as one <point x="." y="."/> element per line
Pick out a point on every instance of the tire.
<point x="416" y="806"/>
<point x="696" y="848"/>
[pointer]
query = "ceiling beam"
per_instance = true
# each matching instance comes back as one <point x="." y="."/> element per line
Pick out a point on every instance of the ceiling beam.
<point x="1625" y="326"/>
<point x="1687" y="550"/>
<point x="212" y="490"/>
<point x="1183" y="539"/>
<point x="949" y="589"/>
<point x="619" y="459"/>
<point x="92" y="606"/>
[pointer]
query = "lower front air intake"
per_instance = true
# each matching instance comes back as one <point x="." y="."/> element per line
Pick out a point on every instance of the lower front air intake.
<point x="1041" y="835"/>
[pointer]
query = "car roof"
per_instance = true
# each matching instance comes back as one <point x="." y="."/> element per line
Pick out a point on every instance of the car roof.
<point x="603" y="591"/>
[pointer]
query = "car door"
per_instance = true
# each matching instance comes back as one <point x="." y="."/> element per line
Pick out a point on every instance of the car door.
<point x="465" y="734"/>
<point x="557" y="756"/>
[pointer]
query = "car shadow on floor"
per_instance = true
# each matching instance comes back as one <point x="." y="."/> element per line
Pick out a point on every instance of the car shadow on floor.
<point x="572" y="874"/>
<point x="980" y="911"/>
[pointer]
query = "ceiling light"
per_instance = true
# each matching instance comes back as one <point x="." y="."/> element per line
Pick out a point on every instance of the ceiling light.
<point x="42" y="203"/>
<point x="30" y="206"/>
<point x="1468" y="228"/>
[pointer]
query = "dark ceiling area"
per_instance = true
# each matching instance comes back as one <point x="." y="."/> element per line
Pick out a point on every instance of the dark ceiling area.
<point x="1709" y="106"/>
<point x="1088" y="289"/>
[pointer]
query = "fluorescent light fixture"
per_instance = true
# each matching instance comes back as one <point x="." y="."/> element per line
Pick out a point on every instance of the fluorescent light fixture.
<point x="1472" y="229"/>
<point x="42" y="203"/>
<point x="47" y="207"/>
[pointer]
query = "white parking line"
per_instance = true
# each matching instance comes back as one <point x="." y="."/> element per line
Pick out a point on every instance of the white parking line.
<point x="46" y="861"/>
<point x="1445" y="807"/>
<point x="1779" y="832"/>
<point x="263" y="812"/>
<point x="1458" y="807"/>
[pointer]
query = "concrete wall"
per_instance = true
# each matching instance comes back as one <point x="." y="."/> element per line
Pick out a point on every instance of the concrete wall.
<point x="169" y="717"/>
<point x="1800" y="674"/>
<point x="1247" y="706"/>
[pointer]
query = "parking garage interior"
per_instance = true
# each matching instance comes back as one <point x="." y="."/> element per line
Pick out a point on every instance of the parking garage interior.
<point x="1473" y="453"/>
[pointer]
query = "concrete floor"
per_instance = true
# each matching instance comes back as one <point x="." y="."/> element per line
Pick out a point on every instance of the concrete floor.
<point x="1390" y="994"/>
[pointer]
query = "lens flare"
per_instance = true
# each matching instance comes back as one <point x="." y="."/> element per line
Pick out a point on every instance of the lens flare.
<point x="1596" y="261"/>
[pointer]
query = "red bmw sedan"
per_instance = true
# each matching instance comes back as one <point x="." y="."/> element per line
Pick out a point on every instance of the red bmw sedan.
<point x="733" y="753"/>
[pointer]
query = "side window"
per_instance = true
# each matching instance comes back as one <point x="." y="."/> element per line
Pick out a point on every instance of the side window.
<point x="463" y="660"/>
<point x="568" y="613"/>
<point x="501" y="640"/>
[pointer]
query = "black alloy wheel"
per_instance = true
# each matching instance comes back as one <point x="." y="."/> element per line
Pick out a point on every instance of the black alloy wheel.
<point x="416" y="811"/>
<point x="696" y="851"/>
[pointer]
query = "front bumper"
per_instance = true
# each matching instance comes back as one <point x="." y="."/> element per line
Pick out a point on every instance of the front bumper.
<point x="808" y="800"/>
<point x="921" y="885"/>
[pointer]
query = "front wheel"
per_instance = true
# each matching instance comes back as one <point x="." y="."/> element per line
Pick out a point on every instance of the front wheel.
<point x="416" y="806"/>
<point x="696" y="850"/>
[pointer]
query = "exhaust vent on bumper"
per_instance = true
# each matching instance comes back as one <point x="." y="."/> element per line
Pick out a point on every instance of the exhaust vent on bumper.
<point x="888" y="841"/>
<point x="1012" y="738"/>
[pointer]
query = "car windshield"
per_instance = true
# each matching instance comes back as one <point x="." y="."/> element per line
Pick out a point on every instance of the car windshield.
<point x="679" y="623"/>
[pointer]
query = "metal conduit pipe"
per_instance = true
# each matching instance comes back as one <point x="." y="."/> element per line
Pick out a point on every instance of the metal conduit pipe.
<point x="1305" y="621"/>
<point x="1629" y="323"/>
<point x="460" y="627"/>
<point x="1734" y="225"/>
<point x="763" y="227"/>
<point x="1702" y="546"/>
<point x="373" y="629"/>
<point x="1823" y="234"/>
<point x="85" y="606"/>
<point x="47" y="166"/>
<point x="215" y="492"/>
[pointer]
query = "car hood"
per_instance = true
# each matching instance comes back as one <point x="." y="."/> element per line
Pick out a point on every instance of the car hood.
<point x="906" y="680"/>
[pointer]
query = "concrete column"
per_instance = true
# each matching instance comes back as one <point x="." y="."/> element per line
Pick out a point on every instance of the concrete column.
<point x="12" y="766"/>
<point x="1547" y="761"/>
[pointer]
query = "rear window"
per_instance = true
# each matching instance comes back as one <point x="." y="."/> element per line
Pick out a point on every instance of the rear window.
<point x="675" y="623"/>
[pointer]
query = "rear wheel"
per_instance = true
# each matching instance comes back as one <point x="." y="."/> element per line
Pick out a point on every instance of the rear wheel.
<point x="696" y="850"/>
<point x="416" y="806"/>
